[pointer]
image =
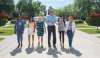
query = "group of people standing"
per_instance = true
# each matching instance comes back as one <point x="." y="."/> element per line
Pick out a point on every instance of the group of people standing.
<point x="65" y="27"/>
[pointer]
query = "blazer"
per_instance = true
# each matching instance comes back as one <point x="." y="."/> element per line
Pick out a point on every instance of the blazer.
<point x="67" y="25"/>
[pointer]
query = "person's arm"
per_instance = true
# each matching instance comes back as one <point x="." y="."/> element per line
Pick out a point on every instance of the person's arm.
<point x="73" y="27"/>
<point x="46" y="19"/>
<point x="66" y="26"/>
<point x="56" y="20"/>
<point x="45" y="27"/>
<point x="15" y="28"/>
<point x="34" y="26"/>
<point x="23" y="26"/>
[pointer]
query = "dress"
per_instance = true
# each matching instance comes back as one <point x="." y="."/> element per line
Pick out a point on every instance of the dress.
<point x="31" y="28"/>
<point x="40" y="28"/>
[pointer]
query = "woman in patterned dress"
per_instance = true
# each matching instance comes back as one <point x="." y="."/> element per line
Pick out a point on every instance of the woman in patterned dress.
<point x="40" y="30"/>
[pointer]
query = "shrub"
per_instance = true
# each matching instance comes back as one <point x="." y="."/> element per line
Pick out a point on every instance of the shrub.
<point x="93" y="21"/>
<point x="79" y="21"/>
<point x="3" y="21"/>
<point x="13" y="21"/>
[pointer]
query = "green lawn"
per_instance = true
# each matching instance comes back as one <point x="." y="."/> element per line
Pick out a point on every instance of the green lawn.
<point x="8" y="30"/>
<point x="91" y="31"/>
<point x="10" y="26"/>
<point x="5" y="31"/>
<point x="82" y="25"/>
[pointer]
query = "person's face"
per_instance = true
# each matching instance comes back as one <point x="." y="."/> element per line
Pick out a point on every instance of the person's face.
<point x="71" y="18"/>
<point x="61" y="18"/>
<point x="30" y="20"/>
<point x="51" y="13"/>
<point x="39" y="18"/>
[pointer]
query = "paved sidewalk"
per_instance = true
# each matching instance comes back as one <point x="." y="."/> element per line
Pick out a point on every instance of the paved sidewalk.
<point x="86" y="46"/>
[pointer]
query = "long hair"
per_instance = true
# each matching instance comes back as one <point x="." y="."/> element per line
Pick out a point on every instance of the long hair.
<point x="31" y="20"/>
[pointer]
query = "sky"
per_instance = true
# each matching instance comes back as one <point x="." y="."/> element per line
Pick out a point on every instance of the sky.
<point x="54" y="3"/>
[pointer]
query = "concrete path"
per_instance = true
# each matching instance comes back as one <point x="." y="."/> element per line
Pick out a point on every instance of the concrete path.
<point x="85" y="46"/>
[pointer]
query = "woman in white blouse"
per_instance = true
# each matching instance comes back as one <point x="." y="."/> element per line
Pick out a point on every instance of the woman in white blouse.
<point x="70" y="29"/>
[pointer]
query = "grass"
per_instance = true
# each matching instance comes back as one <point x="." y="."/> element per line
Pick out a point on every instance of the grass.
<point x="10" y="26"/>
<point x="82" y="25"/>
<point x="91" y="31"/>
<point x="1" y="39"/>
<point x="8" y="30"/>
<point x="5" y="31"/>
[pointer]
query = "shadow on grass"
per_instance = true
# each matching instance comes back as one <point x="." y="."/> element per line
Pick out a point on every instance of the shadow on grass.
<point x="53" y="52"/>
<point x="15" y="51"/>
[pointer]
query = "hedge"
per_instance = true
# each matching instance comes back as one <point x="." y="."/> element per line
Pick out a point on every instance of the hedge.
<point x="79" y="21"/>
<point x="13" y="21"/>
<point x="3" y="21"/>
<point x="93" y="21"/>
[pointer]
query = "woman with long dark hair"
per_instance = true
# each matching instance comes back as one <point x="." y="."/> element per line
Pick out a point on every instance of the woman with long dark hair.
<point x="70" y="29"/>
<point x="61" y="29"/>
<point x="31" y="30"/>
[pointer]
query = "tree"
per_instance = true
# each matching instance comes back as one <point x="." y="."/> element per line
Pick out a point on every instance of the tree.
<point x="86" y="6"/>
<point x="7" y="6"/>
<point x="29" y="7"/>
<point x="66" y="11"/>
<point x="6" y="9"/>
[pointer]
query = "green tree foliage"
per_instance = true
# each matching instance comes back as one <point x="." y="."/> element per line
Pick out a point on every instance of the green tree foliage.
<point x="29" y="7"/>
<point x="7" y="6"/>
<point x="80" y="8"/>
<point x="86" y="6"/>
<point x="66" y="11"/>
